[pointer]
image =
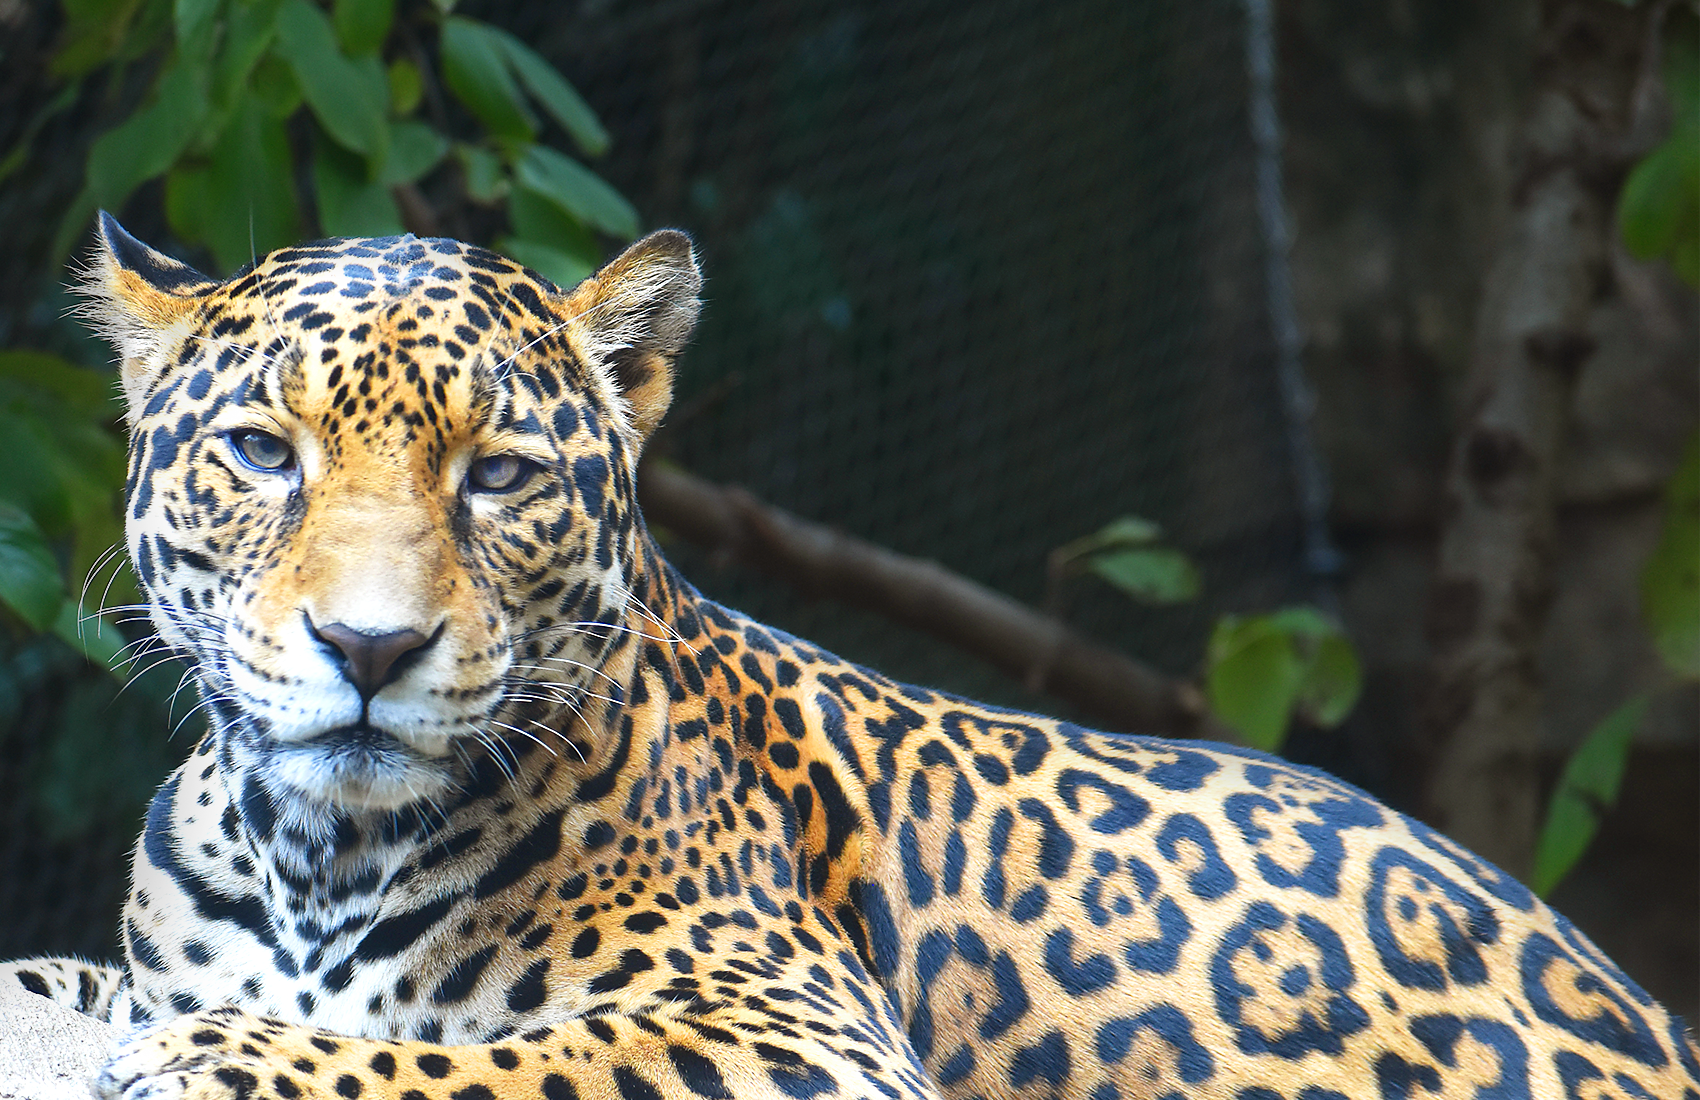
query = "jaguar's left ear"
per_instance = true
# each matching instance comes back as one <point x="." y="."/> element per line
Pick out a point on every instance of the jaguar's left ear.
<point x="633" y="318"/>
<point x="136" y="296"/>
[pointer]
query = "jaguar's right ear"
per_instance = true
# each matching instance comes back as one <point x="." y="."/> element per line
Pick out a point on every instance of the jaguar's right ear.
<point x="136" y="297"/>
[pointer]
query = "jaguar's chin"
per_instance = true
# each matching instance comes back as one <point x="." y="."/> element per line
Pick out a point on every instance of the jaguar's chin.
<point x="358" y="767"/>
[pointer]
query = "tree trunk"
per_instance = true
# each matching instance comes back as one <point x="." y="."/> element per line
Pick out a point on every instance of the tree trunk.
<point x="1492" y="585"/>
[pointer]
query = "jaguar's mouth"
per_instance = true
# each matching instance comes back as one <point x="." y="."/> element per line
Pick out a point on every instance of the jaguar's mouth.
<point x="359" y="737"/>
<point x="358" y="766"/>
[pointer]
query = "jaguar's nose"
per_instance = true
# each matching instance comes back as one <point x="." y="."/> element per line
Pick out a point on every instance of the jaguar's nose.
<point x="372" y="660"/>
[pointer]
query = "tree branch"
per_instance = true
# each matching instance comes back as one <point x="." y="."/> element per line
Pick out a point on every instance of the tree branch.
<point x="1116" y="691"/>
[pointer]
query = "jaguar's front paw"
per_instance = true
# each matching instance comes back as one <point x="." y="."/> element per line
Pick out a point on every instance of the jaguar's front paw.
<point x="199" y="1057"/>
<point x="118" y="1084"/>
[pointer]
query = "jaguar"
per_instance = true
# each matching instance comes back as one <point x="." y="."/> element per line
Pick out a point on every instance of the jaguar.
<point x="493" y="803"/>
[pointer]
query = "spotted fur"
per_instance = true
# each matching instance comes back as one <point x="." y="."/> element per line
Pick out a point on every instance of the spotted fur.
<point x="496" y="805"/>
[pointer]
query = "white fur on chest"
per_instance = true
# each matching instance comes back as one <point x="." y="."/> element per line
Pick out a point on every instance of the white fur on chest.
<point x="223" y="921"/>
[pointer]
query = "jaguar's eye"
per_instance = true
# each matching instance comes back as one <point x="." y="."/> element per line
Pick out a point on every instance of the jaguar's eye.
<point x="499" y="473"/>
<point x="262" y="451"/>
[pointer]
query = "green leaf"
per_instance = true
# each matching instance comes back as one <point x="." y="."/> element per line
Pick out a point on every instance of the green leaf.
<point x="1157" y="575"/>
<point x="559" y="267"/>
<point x="1253" y="679"/>
<point x="1682" y="67"/>
<point x="29" y="578"/>
<point x="149" y="141"/>
<point x="1685" y="259"/>
<point x="98" y="31"/>
<point x="1658" y="209"/>
<point x="188" y="196"/>
<point x="1119" y="533"/>
<point x="247" y="191"/>
<point x="1653" y="203"/>
<point x="549" y="88"/>
<point x="90" y="634"/>
<point x="1128" y="531"/>
<point x="576" y="190"/>
<point x="483" y="169"/>
<point x="1659" y="198"/>
<point x="362" y="25"/>
<point x="1332" y="682"/>
<point x="415" y="149"/>
<point x="1670" y="582"/>
<point x="250" y="27"/>
<point x="476" y="71"/>
<point x="1262" y="668"/>
<point x="1333" y="679"/>
<point x="535" y="218"/>
<point x="1586" y="790"/>
<point x="61" y="466"/>
<point x="59" y="459"/>
<point x="407" y="87"/>
<point x="91" y="393"/>
<point x="195" y="21"/>
<point x="349" y="204"/>
<point x="273" y="84"/>
<point x="350" y="98"/>
<point x="1303" y="622"/>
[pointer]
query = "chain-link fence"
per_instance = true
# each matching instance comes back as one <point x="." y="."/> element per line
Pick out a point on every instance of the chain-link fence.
<point x="981" y="277"/>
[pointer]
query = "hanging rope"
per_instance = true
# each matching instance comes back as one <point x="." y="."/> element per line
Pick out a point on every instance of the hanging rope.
<point x="1298" y="403"/>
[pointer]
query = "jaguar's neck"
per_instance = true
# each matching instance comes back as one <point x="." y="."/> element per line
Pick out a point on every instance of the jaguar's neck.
<point x="660" y="596"/>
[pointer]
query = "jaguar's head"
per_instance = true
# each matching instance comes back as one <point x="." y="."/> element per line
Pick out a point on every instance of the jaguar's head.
<point x="380" y="491"/>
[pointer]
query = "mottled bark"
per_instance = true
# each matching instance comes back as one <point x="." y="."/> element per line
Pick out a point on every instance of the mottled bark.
<point x="1493" y="577"/>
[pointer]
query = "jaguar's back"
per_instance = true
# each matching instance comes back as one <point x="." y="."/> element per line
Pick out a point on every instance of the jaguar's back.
<point x="1190" y="920"/>
<point x="495" y="804"/>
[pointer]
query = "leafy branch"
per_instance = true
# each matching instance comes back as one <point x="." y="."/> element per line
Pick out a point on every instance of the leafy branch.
<point x="61" y="466"/>
<point x="1260" y="671"/>
<point x="269" y="120"/>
